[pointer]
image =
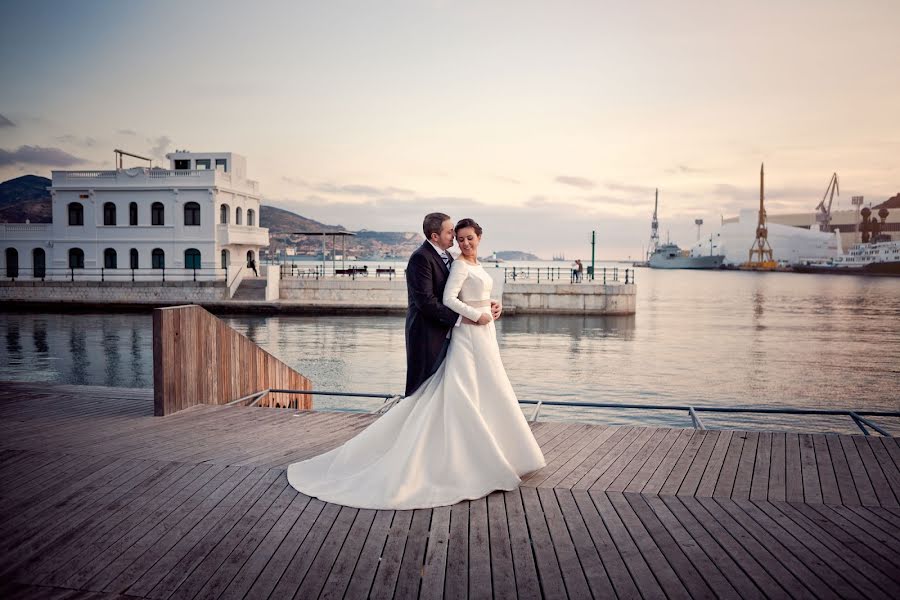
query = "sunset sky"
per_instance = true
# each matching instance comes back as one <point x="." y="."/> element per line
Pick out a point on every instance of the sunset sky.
<point x="541" y="120"/>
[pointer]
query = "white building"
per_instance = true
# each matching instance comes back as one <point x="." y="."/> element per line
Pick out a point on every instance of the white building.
<point x="199" y="219"/>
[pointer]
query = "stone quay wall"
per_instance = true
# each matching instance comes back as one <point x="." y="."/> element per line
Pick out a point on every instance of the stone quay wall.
<point x="149" y="293"/>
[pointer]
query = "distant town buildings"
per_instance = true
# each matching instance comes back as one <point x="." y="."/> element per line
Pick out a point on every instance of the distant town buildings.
<point x="198" y="219"/>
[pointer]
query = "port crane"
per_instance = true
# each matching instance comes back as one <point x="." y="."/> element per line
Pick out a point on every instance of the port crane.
<point x="761" y="251"/>
<point x="654" y="228"/>
<point x="823" y="210"/>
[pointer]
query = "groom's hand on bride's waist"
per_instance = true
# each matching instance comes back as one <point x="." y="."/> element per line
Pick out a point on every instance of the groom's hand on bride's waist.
<point x="484" y="319"/>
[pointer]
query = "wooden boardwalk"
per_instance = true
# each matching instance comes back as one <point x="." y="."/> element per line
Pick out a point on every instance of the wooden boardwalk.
<point x="99" y="499"/>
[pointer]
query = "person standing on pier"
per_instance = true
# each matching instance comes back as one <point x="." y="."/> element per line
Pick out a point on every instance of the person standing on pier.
<point x="460" y="434"/>
<point x="429" y="324"/>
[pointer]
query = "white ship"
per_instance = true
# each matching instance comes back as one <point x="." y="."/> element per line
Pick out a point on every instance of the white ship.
<point x="881" y="258"/>
<point x="790" y="245"/>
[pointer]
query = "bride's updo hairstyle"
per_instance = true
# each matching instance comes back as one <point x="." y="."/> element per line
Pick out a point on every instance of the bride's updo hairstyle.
<point x="468" y="223"/>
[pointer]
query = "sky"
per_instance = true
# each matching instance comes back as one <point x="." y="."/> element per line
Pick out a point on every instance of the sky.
<point x="544" y="121"/>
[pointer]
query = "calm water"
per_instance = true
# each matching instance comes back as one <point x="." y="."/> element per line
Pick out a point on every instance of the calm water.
<point x="728" y="338"/>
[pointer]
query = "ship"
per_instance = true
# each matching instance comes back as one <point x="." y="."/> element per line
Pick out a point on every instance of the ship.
<point x="880" y="258"/>
<point x="670" y="256"/>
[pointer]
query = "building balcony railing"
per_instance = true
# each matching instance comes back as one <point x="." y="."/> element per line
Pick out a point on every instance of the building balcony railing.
<point x="143" y="177"/>
<point x="242" y="235"/>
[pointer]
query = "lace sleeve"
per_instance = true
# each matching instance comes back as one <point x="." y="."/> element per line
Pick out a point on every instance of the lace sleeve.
<point x="458" y="274"/>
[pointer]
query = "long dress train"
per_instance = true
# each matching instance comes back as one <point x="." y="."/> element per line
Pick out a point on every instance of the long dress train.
<point x="460" y="436"/>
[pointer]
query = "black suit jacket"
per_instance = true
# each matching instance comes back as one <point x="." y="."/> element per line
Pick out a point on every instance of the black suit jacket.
<point x="428" y="321"/>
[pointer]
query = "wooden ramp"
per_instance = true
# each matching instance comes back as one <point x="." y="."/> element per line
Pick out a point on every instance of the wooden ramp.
<point x="99" y="499"/>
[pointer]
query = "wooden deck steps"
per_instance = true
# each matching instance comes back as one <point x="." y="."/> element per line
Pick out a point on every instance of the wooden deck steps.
<point x="99" y="499"/>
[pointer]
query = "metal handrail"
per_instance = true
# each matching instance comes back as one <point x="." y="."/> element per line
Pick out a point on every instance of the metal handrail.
<point x="858" y="416"/>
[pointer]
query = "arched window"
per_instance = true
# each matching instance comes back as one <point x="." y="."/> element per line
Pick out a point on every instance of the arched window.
<point x="110" y="259"/>
<point x="251" y="217"/>
<point x="12" y="262"/>
<point x="157" y="214"/>
<point x="237" y="216"/>
<point x="76" y="258"/>
<point x="191" y="213"/>
<point x="223" y="214"/>
<point x="76" y="213"/>
<point x="109" y="213"/>
<point x="132" y="213"/>
<point x="39" y="261"/>
<point x="134" y="258"/>
<point x="224" y="259"/>
<point x="158" y="259"/>
<point x="191" y="258"/>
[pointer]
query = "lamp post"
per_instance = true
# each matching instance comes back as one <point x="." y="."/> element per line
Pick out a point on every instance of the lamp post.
<point x="593" y="247"/>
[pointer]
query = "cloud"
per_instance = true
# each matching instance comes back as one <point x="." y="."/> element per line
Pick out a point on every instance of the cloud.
<point x="84" y="142"/>
<point x="126" y="131"/>
<point x="361" y="190"/>
<point x="579" y="182"/>
<point x="683" y="169"/>
<point x="507" y="179"/>
<point x="160" y="145"/>
<point x="37" y="155"/>
<point x="294" y="181"/>
<point x="625" y="187"/>
<point x="4" y="122"/>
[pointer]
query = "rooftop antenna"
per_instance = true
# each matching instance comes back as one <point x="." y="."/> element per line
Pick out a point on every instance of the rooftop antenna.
<point x="119" y="154"/>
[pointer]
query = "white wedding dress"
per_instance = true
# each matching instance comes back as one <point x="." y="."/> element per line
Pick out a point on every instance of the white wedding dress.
<point x="460" y="436"/>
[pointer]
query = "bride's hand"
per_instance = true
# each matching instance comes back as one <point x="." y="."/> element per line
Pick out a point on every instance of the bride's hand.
<point x="484" y="319"/>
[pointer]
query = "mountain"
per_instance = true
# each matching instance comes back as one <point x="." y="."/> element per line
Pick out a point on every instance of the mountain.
<point x="280" y="221"/>
<point x="516" y="255"/>
<point x="25" y="198"/>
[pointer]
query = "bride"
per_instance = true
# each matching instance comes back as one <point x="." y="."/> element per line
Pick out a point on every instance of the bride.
<point x="459" y="436"/>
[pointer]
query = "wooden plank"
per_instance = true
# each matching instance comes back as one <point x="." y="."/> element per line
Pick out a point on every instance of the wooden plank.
<point x="809" y="548"/>
<point x="410" y="576"/>
<point x="863" y="485"/>
<point x="386" y="577"/>
<point x="831" y="494"/>
<point x="759" y="488"/>
<point x="812" y="489"/>
<point x="846" y="487"/>
<point x="570" y="567"/>
<point x="435" y="567"/>
<point x="596" y="455"/>
<point x="602" y="519"/>
<point x="879" y="482"/>
<point x="705" y="546"/>
<point x="503" y="577"/>
<point x="527" y="584"/>
<point x="694" y="474"/>
<point x="326" y="555"/>
<point x="667" y="464"/>
<point x="366" y="567"/>
<point x="599" y="436"/>
<point x="683" y="464"/>
<point x="479" y="550"/>
<point x="654" y="461"/>
<point x="340" y="574"/>
<point x="744" y="477"/>
<point x="631" y="469"/>
<point x="599" y="581"/>
<point x="725" y="482"/>
<point x="548" y="567"/>
<point x="662" y="570"/>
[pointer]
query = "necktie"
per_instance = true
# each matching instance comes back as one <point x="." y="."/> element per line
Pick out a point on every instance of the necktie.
<point x="447" y="259"/>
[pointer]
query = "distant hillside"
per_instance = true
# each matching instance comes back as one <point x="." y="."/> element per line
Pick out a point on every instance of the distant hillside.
<point x="25" y="199"/>
<point x="516" y="255"/>
<point x="892" y="202"/>
<point x="280" y="221"/>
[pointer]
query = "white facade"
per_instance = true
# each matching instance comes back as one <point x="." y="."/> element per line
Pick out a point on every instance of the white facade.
<point x="789" y="244"/>
<point x="144" y="224"/>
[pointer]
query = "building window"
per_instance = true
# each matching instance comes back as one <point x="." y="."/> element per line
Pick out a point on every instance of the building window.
<point x="191" y="258"/>
<point x="12" y="262"/>
<point x="159" y="259"/>
<point x="223" y="214"/>
<point x="110" y="259"/>
<point x="132" y="213"/>
<point x="76" y="258"/>
<point x="251" y="217"/>
<point x="237" y="216"/>
<point x="109" y="213"/>
<point x="76" y="213"/>
<point x="221" y="164"/>
<point x="182" y="164"/>
<point x="134" y="258"/>
<point x="157" y="214"/>
<point x="224" y="259"/>
<point x="202" y="164"/>
<point x="39" y="260"/>
<point x="192" y="213"/>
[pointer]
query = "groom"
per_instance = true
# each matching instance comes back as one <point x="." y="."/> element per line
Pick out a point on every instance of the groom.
<point x="428" y="322"/>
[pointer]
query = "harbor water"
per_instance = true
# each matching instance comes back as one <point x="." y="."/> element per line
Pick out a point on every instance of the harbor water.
<point x="699" y="338"/>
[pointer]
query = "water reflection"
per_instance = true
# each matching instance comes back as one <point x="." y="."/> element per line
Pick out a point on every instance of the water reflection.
<point x="697" y="338"/>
